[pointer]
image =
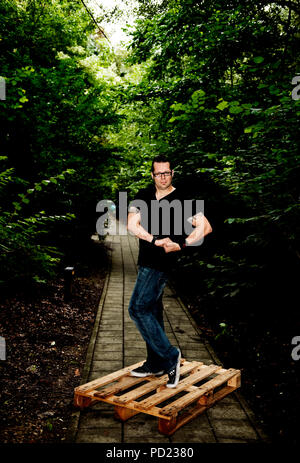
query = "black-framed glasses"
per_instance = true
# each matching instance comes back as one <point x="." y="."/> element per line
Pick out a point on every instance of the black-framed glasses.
<point x="165" y="174"/>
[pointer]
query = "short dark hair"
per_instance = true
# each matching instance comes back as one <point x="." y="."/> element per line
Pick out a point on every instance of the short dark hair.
<point x="161" y="158"/>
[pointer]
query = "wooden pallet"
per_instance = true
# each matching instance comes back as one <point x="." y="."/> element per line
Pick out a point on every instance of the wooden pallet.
<point x="200" y="387"/>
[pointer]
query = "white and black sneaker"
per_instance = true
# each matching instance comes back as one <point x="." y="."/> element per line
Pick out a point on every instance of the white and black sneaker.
<point x="174" y="373"/>
<point x="143" y="371"/>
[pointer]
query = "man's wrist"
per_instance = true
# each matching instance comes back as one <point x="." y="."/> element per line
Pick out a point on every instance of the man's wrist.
<point x="185" y="244"/>
<point x="178" y="240"/>
<point x="155" y="237"/>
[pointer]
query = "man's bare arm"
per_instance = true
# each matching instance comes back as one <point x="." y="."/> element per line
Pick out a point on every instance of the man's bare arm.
<point x="134" y="226"/>
<point x="202" y="228"/>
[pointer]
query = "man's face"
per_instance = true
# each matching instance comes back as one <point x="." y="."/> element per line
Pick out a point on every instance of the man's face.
<point x="162" y="181"/>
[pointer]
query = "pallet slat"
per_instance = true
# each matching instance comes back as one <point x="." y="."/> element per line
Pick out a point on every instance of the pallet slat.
<point x="96" y="383"/>
<point x="123" y="383"/>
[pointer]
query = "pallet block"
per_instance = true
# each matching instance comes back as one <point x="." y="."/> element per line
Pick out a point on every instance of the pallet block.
<point x="200" y="387"/>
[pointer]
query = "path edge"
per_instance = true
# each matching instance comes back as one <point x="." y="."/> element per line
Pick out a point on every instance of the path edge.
<point x="240" y="398"/>
<point x="75" y="416"/>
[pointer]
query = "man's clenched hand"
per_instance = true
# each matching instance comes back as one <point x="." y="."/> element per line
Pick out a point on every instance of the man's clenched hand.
<point x="162" y="242"/>
<point x="168" y="245"/>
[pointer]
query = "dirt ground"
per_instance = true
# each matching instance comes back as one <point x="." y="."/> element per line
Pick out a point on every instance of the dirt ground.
<point x="46" y="344"/>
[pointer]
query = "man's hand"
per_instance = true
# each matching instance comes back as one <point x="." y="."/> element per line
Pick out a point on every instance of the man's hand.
<point x="168" y="245"/>
<point x="172" y="247"/>
<point x="162" y="242"/>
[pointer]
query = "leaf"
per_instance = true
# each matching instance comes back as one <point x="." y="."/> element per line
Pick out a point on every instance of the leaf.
<point x="235" y="109"/>
<point x="178" y="107"/>
<point x="258" y="59"/>
<point x="234" y="293"/>
<point x="230" y="220"/>
<point x="17" y="206"/>
<point x="49" y="425"/>
<point x="221" y="106"/>
<point x="77" y="372"/>
<point x="197" y="97"/>
<point x="31" y="369"/>
<point x="23" y="99"/>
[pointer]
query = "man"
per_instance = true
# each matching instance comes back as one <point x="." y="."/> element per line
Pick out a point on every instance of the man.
<point x="157" y="255"/>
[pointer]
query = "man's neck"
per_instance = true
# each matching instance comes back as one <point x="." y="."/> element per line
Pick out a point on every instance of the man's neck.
<point x="161" y="193"/>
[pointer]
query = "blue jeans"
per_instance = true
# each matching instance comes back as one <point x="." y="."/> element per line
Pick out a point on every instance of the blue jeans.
<point x="146" y="310"/>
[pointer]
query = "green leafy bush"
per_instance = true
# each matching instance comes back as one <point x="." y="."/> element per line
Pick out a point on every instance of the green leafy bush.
<point x="25" y="253"/>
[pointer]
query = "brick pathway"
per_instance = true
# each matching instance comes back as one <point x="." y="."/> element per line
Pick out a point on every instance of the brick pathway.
<point x="116" y="343"/>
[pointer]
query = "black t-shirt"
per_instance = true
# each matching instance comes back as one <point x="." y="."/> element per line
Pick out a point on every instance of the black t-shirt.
<point x="171" y="216"/>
